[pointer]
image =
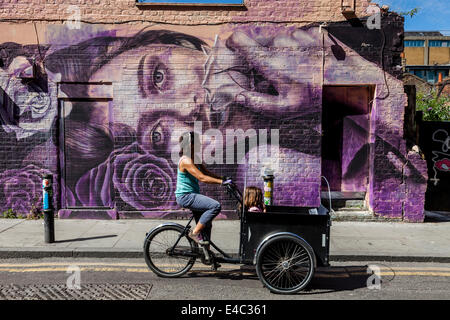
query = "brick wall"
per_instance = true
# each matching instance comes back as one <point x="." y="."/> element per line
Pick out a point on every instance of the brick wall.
<point x="107" y="11"/>
<point x="147" y="83"/>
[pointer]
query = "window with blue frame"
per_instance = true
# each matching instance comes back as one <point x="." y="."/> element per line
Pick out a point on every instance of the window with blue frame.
<point x="439" y="43"/>
<point x="419" y="73"/>
<point x="414" y="43"/>
<point x="192" y="2"/>
<point x="431" y="76"/>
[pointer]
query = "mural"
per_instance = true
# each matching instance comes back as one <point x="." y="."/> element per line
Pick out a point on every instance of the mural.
<point x="104" y="114"/>
<point x="441" y="158"/>
<point x="435" y="143"/>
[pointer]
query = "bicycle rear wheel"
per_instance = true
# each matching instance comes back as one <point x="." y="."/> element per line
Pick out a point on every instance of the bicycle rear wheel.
<point x="156" y="246"/>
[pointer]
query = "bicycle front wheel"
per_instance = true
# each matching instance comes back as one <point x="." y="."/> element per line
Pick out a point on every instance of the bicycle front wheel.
<point x="156" y="246"/>
<point x="285" y="264"/>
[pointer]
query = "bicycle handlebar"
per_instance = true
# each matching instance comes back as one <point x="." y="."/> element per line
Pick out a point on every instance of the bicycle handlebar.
<point x="233" y="190"/>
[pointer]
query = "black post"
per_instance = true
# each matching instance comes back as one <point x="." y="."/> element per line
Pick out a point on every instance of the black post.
<point x="49" y="221"/>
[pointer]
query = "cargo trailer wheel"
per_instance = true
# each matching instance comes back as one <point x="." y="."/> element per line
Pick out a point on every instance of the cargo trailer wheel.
<point x="285" y="264"/>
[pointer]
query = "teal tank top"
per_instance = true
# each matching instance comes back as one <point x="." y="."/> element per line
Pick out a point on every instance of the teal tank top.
<point x="186" y="183"/>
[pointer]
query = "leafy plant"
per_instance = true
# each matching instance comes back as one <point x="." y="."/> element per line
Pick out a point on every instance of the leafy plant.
<point x="434" y="108"/>
<point x="35" y="211"/>
<point x="9" y="214"/>
<point x="411" y="13"/>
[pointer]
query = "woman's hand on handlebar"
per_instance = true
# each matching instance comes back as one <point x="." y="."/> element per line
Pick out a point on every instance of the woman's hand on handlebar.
<point x="227" y="181"/>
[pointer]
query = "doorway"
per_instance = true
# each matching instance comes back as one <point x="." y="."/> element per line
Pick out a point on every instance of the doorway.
<point x="345" y="135"/>
<point x="86" y="143"/>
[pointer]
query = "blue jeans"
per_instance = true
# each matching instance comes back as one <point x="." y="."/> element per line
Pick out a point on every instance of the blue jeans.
<point x="204" y="208"/>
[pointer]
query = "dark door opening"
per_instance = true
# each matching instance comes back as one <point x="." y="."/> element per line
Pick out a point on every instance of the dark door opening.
<point x="345" y="133"/>
<point x="85" y="143"/>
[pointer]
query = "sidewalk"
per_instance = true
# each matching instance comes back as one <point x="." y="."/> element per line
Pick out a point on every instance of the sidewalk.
<point x="351" y="241"/>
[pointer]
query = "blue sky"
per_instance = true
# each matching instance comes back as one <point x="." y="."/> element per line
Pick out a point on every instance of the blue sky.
<point x="433" y="14"/>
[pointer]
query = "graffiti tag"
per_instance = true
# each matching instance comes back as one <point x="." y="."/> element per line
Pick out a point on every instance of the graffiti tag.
<point x="441" y="159"/>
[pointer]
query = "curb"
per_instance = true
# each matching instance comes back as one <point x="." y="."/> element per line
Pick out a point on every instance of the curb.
<point x="386" y="258"/>
<point x="37" y="254"/>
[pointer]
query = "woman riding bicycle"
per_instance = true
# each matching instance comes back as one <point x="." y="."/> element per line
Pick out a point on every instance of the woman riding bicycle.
<point x="190" y="172"/>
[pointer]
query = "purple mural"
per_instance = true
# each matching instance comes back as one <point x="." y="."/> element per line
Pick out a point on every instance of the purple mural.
<point x="104" y="115"/>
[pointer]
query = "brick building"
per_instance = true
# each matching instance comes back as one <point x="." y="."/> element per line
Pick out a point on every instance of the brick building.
<point x="427" y="55"/>
<point x="98" y="92"/>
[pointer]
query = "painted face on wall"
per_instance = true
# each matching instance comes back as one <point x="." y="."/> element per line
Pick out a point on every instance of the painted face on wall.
<point x="118" y="154"/>
<point x="161" y="77"/>
<point x="160" y="135"/>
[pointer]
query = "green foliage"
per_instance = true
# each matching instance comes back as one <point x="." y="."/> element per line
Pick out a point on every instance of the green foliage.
<point x="34" y="214"/>
<point x="9" y="214"/>
<point x="434" y="108"/>
<point x="35" y="211"/>
<point x="410" y="13"/>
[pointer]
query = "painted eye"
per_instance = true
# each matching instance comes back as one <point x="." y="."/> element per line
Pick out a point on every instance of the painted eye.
<point x="157" y="135"/>
<point x="158" y="77"/>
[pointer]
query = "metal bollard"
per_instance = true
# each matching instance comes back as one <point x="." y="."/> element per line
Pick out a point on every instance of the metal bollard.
<point x="47" y="198"/>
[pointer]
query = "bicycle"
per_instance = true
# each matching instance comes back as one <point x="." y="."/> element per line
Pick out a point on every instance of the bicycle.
<point x="285" y="244"/>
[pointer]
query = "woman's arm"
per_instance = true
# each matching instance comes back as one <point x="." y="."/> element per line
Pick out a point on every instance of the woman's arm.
<point x="207" y="172"/>
<point x="190" y="167"/>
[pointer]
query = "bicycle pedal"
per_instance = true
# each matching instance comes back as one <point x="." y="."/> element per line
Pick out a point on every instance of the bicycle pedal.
<point x="215" y="266"/>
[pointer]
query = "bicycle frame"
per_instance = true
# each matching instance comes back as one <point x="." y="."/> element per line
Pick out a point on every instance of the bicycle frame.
<point x="225" y="259"/>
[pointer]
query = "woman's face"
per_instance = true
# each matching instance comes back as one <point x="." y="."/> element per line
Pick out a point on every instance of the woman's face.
<point x="155" y="78"/>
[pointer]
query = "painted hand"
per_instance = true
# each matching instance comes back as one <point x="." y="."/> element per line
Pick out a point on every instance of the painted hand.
<point x="276" y="76"/>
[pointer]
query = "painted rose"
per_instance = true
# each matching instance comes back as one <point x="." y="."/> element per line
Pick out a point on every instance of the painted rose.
<point x="142" y="180"/>
<point x="21" y="188"/>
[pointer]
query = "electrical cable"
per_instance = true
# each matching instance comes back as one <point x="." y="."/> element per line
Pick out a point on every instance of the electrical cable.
<point x="383" y="68"/>
<point x="156" y="22"/>
<point x="38" y="44"/>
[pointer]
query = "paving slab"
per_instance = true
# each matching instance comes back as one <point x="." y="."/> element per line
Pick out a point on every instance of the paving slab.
<point x="6" y="224"/>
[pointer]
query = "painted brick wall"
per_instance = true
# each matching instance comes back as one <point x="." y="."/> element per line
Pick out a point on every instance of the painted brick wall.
<point x="148" y="83"/>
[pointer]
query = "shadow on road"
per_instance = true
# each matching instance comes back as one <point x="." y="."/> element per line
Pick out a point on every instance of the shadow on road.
<point x="325" y="280"/>
<point x="343" y="278"/>
<point x="85" y="239"/>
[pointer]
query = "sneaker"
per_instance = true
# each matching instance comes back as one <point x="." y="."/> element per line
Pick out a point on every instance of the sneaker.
<point x="197" y="239"/>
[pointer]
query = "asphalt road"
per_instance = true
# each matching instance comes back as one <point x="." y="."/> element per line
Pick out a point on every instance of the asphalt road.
<point x="124" y="279"/>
